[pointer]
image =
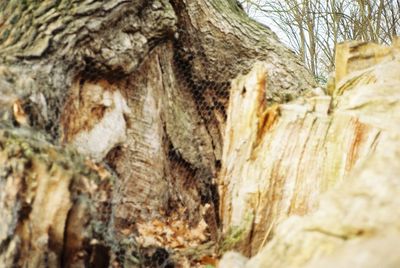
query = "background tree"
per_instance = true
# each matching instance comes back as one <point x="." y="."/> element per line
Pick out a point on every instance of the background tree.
<point x="312" y="28"/>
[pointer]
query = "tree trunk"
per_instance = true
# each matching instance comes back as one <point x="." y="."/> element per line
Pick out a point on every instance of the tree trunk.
<point x="140" y="85"/>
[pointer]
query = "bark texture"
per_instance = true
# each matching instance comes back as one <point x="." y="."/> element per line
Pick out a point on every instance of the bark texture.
<point x="143" y="86"/>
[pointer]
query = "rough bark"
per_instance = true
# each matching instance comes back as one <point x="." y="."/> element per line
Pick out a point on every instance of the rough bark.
<point x="156" y="73"/>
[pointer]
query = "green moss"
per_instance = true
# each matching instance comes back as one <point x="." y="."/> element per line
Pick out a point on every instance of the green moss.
<point x="231" y="8"/>
<point x="236" y="234"/>
<point x="14" y="19"/>
<point x="5" y="35"/>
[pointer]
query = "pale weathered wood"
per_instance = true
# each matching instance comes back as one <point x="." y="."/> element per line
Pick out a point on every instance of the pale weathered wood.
<point x="346" y="145"/>
<point x="278" y="159"/>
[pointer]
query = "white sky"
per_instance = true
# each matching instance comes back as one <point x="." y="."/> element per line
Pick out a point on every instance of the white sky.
<point x="262" y="18"/>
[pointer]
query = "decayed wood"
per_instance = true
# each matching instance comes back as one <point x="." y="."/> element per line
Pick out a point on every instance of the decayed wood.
<point x="157" y="74"/>
<point x="54" y="207"/>
<point x="346" y="145"/>
<point x="278" y="159"/>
